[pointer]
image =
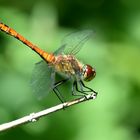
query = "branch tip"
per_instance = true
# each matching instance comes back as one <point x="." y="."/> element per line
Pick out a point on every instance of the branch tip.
<point x="33" y="117"/>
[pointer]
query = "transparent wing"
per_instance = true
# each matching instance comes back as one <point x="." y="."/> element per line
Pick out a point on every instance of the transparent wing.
<point x="41" y="81"/>
<point x="60" y="50"/>
<point x="73" y="42"/>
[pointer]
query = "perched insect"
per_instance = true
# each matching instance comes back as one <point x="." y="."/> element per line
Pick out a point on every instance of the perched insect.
<point x="62" y="61"/>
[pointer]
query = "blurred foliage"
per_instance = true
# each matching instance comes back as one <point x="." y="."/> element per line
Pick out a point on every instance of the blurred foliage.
<point x="114" y="51"/>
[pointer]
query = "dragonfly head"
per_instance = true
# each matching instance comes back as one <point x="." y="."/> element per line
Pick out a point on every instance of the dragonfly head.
<point x="88" y="73"/>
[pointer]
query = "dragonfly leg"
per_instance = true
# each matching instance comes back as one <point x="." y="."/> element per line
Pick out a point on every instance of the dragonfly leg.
<point x="75" y="86"/>
<point x="57" y="92"/>
<point x="89" y="89"/>
<point x="60" y="82"/>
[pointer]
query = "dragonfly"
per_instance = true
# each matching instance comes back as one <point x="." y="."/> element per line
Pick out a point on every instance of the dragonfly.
<point x="63" y="62"/>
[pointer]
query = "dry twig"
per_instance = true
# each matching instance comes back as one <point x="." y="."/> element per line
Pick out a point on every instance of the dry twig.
<point x="35" y="116"/>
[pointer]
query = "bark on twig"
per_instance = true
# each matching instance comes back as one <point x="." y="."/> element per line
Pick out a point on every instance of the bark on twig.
<point x="35" y="116"/>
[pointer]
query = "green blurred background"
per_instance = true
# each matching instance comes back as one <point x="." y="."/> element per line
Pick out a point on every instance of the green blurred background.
<point x="114" y="51"/>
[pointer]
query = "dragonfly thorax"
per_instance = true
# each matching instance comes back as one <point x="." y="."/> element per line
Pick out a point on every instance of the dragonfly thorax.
<point x="88" y="73"/>
<point x="68" y="65"/>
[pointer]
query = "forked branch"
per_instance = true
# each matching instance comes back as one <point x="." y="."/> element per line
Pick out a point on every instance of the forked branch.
<point x="35" y="116"/>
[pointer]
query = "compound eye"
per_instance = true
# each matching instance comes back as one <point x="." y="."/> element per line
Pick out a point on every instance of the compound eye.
<point x="88" y="73"/>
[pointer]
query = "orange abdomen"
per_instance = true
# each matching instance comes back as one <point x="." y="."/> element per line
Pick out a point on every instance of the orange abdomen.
<point x="46" y="56"/>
